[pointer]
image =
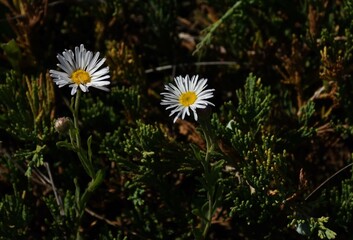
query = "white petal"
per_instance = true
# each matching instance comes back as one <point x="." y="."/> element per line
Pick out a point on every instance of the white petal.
<point x="93" y="70"/>
<point x="101" y="72"/>
<point x="93" y="62"/>
<point x="74" y="89"/>
<point x="98" y="84"/>
<point x="54" y="72"/>
<point x="64" y="65"/>
<point x="102" y="88"/>
<point x="83" y="88"/>
<point x="100" y="78"/>
<point x="195" y="115"/>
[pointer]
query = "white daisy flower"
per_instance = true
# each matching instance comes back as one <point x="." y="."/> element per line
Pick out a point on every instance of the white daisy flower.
<point x="80" y="70"/>
<point x="186" y="94"/>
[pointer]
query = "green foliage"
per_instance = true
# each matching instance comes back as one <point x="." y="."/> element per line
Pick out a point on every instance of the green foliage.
<point x="273" y="162"/>
<point x="306" y="113"/>
<point x="342" y="200"/>
<point x="150" y="161"/>
<point x="15" y="216"/>
<point x="254" y="105"/>
<point x="36" y="157"/>
<point x="209" y="31"/>
<point x="323" y="232"/>
<point x="16" y="116"/>
<point x="146" y="146"/>
<point x="94" y="113"/>
<point x="130" y="100"/>
<point x="62" y="223"/>
<point x="260" y="171"/>
<point x="312" y="226"/>
<point x="27" y="111"/>
<point x="13" y="53"/>
<point x="110" y="236"/>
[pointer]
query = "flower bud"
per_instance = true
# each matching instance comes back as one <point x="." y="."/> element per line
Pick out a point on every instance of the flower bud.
<point x="62" y="125"/>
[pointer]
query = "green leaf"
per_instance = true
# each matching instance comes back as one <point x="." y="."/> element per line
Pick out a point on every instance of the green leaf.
<point x="64" y="144"/>
<point x="77" y="193"/>
<point x="89" y="153"/>
<point x="13" y="53"/>
<point x="99" y="177"/>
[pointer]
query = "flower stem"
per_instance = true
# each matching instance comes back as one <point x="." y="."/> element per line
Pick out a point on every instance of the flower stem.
<point x="75" y="113"/>
<point x="86" y="161"/>
<point x="210" y="189"/>
<point x="208" y="172"/>
<point x="76" y="138"/>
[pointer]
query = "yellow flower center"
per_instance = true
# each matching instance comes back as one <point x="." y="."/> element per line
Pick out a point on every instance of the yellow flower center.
<point x="80" y="77"/>
<point x="188" y="98"/>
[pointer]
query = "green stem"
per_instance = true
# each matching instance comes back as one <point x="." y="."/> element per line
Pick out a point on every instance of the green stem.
<point x="85" y="157"/>
<point x="78" y="234"/>
<point x="87" y="165"/>
<point x="75" y="113"/>
<point x="76" y="138"/>
<point x="207" y="169"/>
<point x="212" y="28"/>
<point x="83" y="199"/>
<point x="209" y="216"/>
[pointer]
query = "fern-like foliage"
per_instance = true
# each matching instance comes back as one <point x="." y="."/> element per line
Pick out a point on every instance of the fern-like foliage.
<point x="26" y="113"/>
<point x="341" y="200"/>
<point x="257" y="169"/>
<point x="62" y="223"/>
<point x="150" y="162"/>
<point x="15" y="216"/>
<point x="27" y="106"/>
